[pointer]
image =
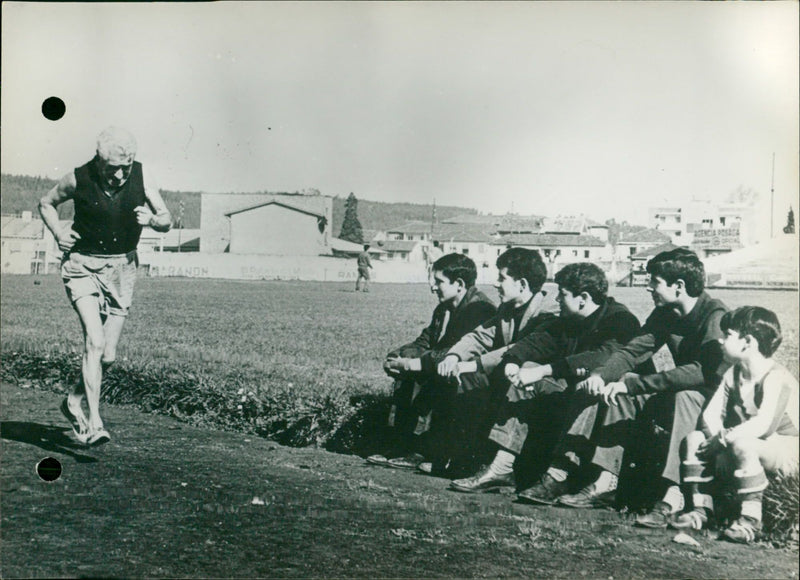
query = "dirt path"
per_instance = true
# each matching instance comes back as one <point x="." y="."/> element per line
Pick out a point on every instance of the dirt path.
<point x="164" y="499"/>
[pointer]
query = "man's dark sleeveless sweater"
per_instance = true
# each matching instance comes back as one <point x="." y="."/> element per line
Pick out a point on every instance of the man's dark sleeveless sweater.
<point x="107" y="224"/>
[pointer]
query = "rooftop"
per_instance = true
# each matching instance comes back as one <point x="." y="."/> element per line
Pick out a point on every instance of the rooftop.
<point x="551" y="240"/>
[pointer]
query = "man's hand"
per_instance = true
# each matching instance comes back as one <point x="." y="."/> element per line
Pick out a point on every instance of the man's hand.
<point x="592" y="385"/>
<point x="711" y="446"/>
<point x="67" y="239"/>
<point x="143" y="215"/>
<point x="448" y="368"/>
<point x="610" y="392"/>
<point x="511" y="371"/>
<point x="394" y="366"/>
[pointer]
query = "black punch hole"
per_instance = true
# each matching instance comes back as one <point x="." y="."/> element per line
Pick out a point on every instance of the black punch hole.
<point x="49" y="469"/>
<point x="53" y="108"/>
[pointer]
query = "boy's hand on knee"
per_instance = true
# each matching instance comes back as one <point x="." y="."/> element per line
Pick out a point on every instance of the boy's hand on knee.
<point x="511" y="371"/>
<point x="393" y="366"/>
<point x="610" y="392"/>
<point x="448" y="367"/>
<point x="591" y="385"/>
<point x="711" y="446"/>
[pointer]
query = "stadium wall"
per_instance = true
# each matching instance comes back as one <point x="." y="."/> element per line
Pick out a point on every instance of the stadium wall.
<point x="312" y="268"/>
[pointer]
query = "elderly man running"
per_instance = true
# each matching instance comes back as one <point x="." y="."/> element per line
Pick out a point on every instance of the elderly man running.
<point x="113" y="201"/>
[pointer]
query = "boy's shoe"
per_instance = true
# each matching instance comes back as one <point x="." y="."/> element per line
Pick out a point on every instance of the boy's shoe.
<point x="426" y="467"/>
<point x="407" y="462"/>
<point x="80" y="429"/>
<point x="484" y="480"/>
<point x="743" y="531"/>
<point x="589" y="497"/>
<point x="695" y="519"/>
<point x="546" y="492"/>
<point x="378" y="459"/>
<point x="98" y="437"/>
<point x="658" y="517"/>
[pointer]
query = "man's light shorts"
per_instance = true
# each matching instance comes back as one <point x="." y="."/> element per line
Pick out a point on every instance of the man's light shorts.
<point x="110" y="278"/>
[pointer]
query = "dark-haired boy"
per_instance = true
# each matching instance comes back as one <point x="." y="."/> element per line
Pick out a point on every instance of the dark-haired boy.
<point x="591" y="325"/>
<point x="471" y="363"/>
<point x="686" y="319"/>
<point x="461" y="308"/>
<point x="750" y="426"/>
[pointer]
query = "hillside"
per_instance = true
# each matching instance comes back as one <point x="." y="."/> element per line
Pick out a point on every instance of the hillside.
<point x="20" y="193"/>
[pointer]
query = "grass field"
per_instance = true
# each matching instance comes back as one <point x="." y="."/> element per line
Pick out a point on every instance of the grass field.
<point x="292" y="360"/>
<point x="297" y="362"/>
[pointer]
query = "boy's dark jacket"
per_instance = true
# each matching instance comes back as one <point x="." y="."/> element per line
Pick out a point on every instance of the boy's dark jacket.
<point x="571" y="344"/>
<point x="487" y="343"/>
<point x="432" y="344"/>
<point x="693" y="341"/>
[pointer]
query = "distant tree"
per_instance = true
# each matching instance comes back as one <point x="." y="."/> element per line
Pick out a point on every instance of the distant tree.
<point x="789" y="229"/>
<point x="744" y="195"/>
<point x="351" y="227"/>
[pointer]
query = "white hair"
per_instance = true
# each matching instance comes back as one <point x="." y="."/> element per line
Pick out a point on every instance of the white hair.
<point x="116" y="146"/>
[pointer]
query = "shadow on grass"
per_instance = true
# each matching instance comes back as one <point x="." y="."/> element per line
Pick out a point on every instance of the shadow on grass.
<point x="367" y="431"/>
<point x="45" y="437"/>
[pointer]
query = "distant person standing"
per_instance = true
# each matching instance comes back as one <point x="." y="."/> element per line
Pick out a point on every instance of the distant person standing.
<point x="434" y="253"/>
<point x="113" y="201"/>
<point x="364" y="266"/>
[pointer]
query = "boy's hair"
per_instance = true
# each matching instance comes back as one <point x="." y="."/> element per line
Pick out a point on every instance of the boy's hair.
<point x="682" y="264"/>
<point x="524" y="263"/>
<point x="455" y="266"/>
<point x="584" y="277"/>
<point x="758" y="322"/>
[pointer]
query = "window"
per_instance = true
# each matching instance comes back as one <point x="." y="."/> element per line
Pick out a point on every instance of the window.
<point x="465" y="251"/>
<point x="574" y="253"/>
<point x="678" y="234"/>
<point x="586" y="254"/>
<point x="547" y="253"/>
<point x="722" y="221"/>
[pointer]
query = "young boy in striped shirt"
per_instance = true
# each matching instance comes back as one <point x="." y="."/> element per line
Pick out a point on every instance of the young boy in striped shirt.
<point x="749" y="426"/>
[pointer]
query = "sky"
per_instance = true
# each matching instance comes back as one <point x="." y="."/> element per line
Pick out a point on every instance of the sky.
<point x="595" y="108"/>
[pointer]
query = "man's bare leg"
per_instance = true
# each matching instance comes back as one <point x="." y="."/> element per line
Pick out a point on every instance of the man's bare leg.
<point x="112" y="329"/>
<point x="94" y="343"/>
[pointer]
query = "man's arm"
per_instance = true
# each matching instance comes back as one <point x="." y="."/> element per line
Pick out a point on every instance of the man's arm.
<point x="60" y="193"/>
<point x="477" y="342"/>
<point x="777" y="390"/>
<point x="704" y="373"/>
<point x="540" y="346"/>
<point x="650" y="338"/>
<point x="616" y="330"/>
<point x="712" y="421"/>
<point x="472" y="317"/>
<point x="156" y="216"/>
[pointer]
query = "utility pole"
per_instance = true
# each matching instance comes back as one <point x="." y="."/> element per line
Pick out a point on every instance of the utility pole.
<point x="772" y="198"/>
<point x="180" y="224"/>
<point x="433" y="218"/>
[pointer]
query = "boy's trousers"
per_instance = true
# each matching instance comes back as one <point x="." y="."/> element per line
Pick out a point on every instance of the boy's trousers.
<point x="603" y="432"/>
